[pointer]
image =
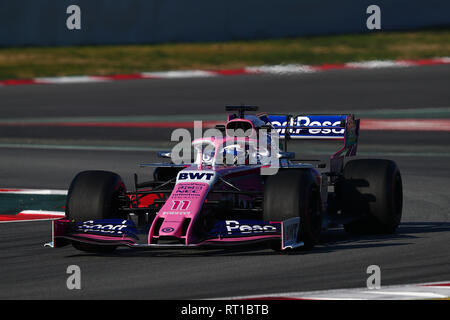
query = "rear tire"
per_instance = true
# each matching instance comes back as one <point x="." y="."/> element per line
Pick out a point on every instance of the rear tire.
<point x="372" y="189"/>
<point x="294" y="193"/>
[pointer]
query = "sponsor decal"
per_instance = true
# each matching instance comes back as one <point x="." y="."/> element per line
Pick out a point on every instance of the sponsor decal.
<point x="327" y="122"/>
<point x="199" y="176"/>
<point x="233" y="225"/>
<point x="175" y="212"/>
<point x="112" y="227"/>
<point x="244" y="228"/>
<point x="191" y="190"/>
<point x="167" y="230"/>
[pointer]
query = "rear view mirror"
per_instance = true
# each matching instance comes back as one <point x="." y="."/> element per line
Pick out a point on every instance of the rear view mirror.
<point x="220" y="127"/>
<point x="287" y="155"/>
<point x="165" y="154"/>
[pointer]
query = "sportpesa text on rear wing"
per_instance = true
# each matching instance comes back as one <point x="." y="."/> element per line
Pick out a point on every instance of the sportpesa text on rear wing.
<point x="320" y="126"/>
<point x="311" y="126"/>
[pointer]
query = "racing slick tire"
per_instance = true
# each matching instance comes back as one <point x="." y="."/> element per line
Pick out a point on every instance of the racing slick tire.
<point x="94" y="195"/>
<point x="372" y="189"/>
<point x="294" y="193"/>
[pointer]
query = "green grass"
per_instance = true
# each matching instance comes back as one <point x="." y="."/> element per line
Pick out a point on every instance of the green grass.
<point x="19" y="63"/>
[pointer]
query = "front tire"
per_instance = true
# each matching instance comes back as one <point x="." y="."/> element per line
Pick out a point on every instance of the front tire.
<point x="94" y="195"/>
<point x="295" y="193"/>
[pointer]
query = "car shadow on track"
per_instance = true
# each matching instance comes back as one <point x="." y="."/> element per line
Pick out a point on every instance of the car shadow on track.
<point x="407" y="232"/>
<point x="332" y="240"/>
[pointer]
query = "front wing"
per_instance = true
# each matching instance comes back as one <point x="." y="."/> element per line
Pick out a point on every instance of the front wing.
<point x="117" y="232"/>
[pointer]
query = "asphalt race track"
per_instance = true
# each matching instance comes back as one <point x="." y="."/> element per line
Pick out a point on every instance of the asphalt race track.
<point x="46" y="156"/>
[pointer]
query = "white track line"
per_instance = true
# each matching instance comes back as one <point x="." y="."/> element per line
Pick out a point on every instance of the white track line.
<point x="33" y="215"/>
<point x="33" y="191"/>
<point x="281" y="69"/>
<point x="42" y="212"/>
<point x="436" y="290"/>
<point x="179" y="74"/>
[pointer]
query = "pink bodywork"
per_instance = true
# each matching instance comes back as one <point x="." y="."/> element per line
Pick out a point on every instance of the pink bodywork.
<point x="181" y="205"/>
<point x="181" y="210"/>
<point x="186" y="201"/>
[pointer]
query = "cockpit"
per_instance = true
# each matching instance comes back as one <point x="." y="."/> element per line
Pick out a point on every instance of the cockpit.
<point x="230" y="152"/>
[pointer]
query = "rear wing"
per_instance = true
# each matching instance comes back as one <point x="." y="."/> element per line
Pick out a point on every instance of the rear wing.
<point x="320" y="126"/>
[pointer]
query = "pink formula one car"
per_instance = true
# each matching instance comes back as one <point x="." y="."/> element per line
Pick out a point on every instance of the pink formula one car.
<point x="223" y="197"/>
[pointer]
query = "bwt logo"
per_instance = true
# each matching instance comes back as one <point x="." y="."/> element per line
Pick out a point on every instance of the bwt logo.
<point x="195" y="176"/>
<point x="233" y="225"/>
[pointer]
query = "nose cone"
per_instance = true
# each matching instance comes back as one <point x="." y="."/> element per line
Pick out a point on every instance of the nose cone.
<point x="172" y="227"/>
<point x="183" y="206"/>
